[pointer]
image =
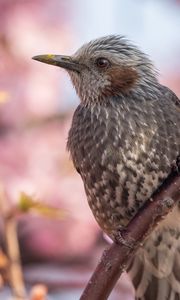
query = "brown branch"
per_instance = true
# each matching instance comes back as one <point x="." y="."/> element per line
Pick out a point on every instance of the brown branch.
<point x="115" y="259"/>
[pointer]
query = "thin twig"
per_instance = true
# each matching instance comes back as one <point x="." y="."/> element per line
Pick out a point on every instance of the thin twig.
<point x="115" y="259"/>
<point x="12" y="246"/>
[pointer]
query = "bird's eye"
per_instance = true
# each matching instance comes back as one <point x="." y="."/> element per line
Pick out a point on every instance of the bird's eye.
<point x="102" y="63"/>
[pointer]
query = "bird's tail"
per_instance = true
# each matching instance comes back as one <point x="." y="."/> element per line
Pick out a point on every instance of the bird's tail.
<point x="155" y="270"/>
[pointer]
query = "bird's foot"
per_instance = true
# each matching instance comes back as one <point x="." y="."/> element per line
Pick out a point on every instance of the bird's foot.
<point x="121" y="237"/>
<point x="176" y="165"/>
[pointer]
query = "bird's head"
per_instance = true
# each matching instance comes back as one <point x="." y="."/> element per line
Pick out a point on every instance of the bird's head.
<point x="108" y="66"/>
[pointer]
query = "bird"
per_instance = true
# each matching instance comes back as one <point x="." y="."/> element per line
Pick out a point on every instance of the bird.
<point x="124" y="139"/>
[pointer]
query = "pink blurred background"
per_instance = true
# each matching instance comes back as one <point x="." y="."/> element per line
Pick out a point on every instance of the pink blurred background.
<point x="36" y="106"/>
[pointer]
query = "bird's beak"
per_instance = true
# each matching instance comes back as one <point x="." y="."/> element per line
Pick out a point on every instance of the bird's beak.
<point x="65" y="62"/>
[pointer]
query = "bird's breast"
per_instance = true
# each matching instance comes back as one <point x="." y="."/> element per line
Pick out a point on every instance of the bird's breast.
<point x="116" y="152"/>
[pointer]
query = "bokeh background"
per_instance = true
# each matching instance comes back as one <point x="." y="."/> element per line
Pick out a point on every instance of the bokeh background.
<point x="36" y="106"/>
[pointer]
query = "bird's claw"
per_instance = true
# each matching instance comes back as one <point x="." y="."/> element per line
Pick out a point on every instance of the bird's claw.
<point x="176" y="165"/>
<point x="119" y="238"/>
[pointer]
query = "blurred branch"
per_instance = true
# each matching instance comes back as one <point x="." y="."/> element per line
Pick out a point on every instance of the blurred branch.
<point x="115" y="259"/>
<point x="41" y="121"/>
<point x="13" y="253"/>
<point x="15" y="268"/>
<point x="31" y="123"/>
<point x="9" y="214"/>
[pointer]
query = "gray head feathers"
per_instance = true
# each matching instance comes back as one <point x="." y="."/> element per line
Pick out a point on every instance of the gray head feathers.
<point x="128" y="69"/>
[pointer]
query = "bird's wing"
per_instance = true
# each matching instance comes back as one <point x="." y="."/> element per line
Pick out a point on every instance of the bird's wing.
<point x="171" y="96"/>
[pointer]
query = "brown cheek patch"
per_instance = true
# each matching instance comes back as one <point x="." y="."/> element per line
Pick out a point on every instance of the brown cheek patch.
<point x="121" y="79"/>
